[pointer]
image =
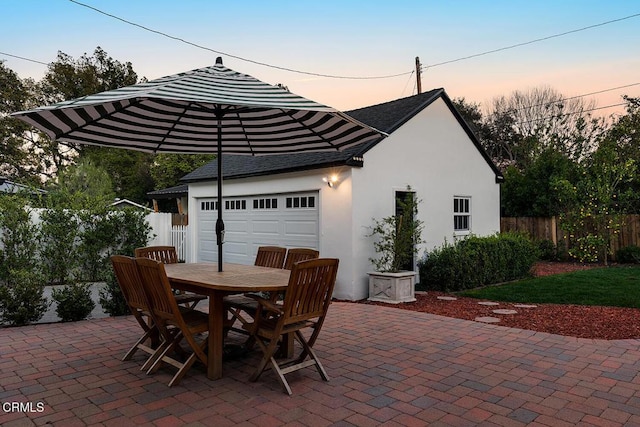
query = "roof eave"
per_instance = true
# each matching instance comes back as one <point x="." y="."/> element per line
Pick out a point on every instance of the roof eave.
<point x="354" y="161"/>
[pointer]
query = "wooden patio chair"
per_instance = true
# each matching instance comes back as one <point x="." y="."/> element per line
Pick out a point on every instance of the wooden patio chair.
<point x="168" y="255"/>
<point x="305" y="305"/>
<point x="130" y="283"/>
<point x="270" y="256"/>
<point x="267" y="256"/>
<point x="299" y="254"/>
<point x="174" y="323"/>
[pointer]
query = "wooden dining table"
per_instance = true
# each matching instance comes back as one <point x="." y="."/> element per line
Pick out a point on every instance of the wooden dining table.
<point x="205" y="279"/>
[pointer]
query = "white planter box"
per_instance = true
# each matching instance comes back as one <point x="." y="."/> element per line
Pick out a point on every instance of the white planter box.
<point x="393" y="288"/>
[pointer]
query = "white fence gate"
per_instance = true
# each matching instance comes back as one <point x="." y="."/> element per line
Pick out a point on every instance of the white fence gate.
<point x="164" y="234"/>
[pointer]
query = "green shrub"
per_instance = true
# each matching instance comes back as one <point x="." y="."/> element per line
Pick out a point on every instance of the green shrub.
<point x="22" y="301"/>
<point x="108" y="232"/>
<point x="628" y="255"/>
<point x="21" y="283"/>
<point x="74" y="302"/>
<point x="548" y="250"/>
<point x="111" y="297"/>
<point x="477" y="261"/>
<point x="58" y="254"/>
<point x="96" y="238"/>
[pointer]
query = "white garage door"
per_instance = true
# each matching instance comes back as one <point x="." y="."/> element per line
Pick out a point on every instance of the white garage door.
<point x="288" y="220"/>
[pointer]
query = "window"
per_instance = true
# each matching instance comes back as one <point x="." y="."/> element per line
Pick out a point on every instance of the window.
<point x="270" y="203"/>
<point x="301" y="202"/>
<point x="209" y="206"/>
<point x="235" y="205"/>
<point x="461" y="213"/>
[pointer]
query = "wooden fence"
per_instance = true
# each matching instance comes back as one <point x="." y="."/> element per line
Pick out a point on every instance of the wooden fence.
<point x="551" y="229"/>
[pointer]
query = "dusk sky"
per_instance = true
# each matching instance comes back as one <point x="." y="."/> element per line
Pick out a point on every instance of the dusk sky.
<point x="349" y="38"/>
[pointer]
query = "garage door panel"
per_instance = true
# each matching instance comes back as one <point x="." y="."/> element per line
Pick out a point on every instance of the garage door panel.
<point x="290" y="221"/>
<point x="301" y="228"/>
<point x="266" y="227"/>
<point x="233" y="225"/>
<point x="236" y="248"/>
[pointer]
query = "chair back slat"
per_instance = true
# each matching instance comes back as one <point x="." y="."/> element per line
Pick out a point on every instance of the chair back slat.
<point x="156" y="284"/>
<point x="299" y="254"/>
<point x="310" y="289"/>
<point x="164" y="254"/>
<point x="130" y="282"/>
<point x="270" y="256"/>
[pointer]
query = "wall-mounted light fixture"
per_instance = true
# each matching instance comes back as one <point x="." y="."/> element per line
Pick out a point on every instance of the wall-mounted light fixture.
<point x="331" y="180"/>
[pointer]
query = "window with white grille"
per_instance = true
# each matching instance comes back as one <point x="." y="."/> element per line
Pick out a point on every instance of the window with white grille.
<point x="461" y="213"/>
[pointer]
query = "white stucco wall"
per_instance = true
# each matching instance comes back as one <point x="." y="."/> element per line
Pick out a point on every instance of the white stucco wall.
<point x="431" y="153"/>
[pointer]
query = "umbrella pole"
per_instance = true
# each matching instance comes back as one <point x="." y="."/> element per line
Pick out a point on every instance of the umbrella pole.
<point x="219" y="222"/>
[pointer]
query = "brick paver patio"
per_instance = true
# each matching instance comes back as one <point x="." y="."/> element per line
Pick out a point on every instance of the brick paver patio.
<point x="387" y="366"/>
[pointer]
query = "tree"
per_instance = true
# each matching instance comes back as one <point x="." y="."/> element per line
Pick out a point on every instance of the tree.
<point x="597" y="219"/>
<point x="16" y="161"/>
<point x="526" y="123"/>
<point x="624" y="134"/>
<point x="544" y="189"/>
<point x="167" y="169"/>
<point x="68" y="79"/>
<point x="129" y="170"/>
<point x="472" y="115"/>
<point x="82" y="185"/>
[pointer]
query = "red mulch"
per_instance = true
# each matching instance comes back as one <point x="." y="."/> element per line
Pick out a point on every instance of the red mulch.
<point x="609" y="323"/>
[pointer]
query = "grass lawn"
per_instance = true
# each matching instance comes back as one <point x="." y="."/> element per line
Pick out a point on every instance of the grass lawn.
<point x="607" y="286"/>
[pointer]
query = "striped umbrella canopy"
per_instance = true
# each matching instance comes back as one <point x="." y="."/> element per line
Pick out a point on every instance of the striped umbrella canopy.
<point x="207" y="110"/>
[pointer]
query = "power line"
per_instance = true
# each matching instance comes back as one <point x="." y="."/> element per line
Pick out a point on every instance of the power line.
<point x="565" y="114"/>
<point x="338" y="76"/>
<point x="601" y="91"/>
<point x="23" y="58"/>
<point x="407" y="84"/>
<point x="414" y="87"/>
<point x="531" y="41"/>
<point x="309" y="73"/>
<point x="544" y="104"/>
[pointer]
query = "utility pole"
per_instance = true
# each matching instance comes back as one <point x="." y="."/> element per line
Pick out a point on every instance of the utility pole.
<point x="418" y="71"/>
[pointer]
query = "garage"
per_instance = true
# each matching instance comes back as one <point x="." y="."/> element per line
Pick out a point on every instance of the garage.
<point x="289" y="220"/>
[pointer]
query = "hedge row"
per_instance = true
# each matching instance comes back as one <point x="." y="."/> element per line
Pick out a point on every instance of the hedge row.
<point x="63" y="248"/>
<point x="477" y="261"/>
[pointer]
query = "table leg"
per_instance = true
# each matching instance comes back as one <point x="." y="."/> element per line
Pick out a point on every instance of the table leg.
<point x="216" y="337"/>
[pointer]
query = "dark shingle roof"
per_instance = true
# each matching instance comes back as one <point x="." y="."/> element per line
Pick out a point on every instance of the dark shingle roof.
<point x="389" y="116"/>
<point x="170" y="193"/>
<point x="386" y="117"/>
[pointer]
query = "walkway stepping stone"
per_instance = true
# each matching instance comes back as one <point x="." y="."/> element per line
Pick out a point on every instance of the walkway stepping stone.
<point x="447" y="298"/>
<point x="487" y="319"/>
<point x="488" y="303"/>
<point x="505" y="311"/>
<point x="525" y="306"/>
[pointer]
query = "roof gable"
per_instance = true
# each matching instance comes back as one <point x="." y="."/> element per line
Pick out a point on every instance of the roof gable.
<point x="389" y="116"/>
<point x="386" y="117"/>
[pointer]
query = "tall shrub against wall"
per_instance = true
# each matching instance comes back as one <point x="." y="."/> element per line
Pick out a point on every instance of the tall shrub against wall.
<point x="21" y="283"/>
<point x="131" y="230"/>
<point x="477" y="261"/>
<point x="59" y="228"/>
<point x="96" y="238"/>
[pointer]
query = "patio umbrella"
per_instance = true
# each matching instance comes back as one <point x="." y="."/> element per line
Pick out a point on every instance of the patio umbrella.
<point x="207" y="110"/>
